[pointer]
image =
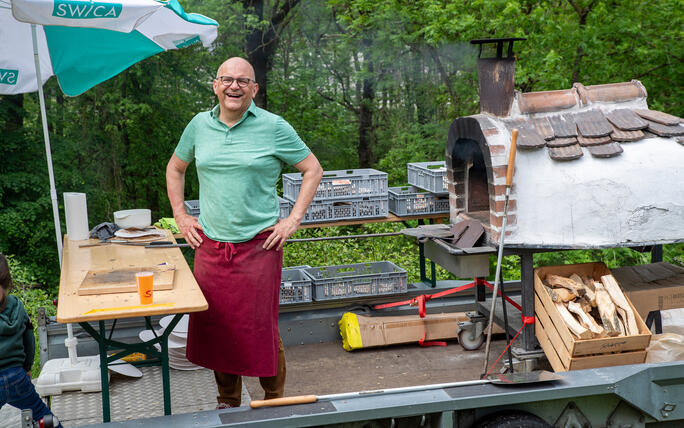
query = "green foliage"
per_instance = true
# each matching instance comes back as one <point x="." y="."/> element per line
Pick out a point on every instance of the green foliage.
<point x="113" y="142"/>
<point x="33" y="298"/>
<point x="612" y="257"/>
<point x="400" y="250"/>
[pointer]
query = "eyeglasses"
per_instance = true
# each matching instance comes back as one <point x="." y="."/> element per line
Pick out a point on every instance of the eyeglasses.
<point x="242" y="82"/>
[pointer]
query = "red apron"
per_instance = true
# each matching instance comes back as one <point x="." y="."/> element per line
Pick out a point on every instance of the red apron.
<point x="238" y="334"/>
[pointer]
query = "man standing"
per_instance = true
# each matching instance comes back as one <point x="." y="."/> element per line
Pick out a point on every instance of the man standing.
<point x="239" y="150"/>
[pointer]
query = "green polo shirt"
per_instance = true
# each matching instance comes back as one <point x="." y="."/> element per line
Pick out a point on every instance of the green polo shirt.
<point x="238" y="169"/>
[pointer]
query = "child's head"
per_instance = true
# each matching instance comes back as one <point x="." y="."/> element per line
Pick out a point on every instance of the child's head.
<point x="5" y="281"/>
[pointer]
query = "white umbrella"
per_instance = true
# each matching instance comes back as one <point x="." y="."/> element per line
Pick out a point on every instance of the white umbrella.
<point x="84" y="43"/>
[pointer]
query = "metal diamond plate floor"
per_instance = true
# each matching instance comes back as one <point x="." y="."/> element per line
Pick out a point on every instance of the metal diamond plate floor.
<point x="132" y="398"/>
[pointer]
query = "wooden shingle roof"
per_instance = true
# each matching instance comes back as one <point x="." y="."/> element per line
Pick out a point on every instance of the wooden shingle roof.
<point x="599" y="126"/>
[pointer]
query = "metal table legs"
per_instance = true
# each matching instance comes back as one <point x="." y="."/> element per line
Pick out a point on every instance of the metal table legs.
<point x="106" y="344"/>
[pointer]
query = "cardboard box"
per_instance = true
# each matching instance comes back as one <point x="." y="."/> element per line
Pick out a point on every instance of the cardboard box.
<point x="360" y="331"/>
<point x="652" y="287"/>
<point x="565" y="351"/>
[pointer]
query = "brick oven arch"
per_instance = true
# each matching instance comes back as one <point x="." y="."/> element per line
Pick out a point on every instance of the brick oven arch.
<point x="469" y="170"/>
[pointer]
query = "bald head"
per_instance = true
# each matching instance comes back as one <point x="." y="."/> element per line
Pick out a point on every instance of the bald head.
<point x="236" y="66"/>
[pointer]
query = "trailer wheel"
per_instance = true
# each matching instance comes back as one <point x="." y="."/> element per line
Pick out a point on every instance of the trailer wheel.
<point x="512" y="419"/>
<point x="468" y="342"/>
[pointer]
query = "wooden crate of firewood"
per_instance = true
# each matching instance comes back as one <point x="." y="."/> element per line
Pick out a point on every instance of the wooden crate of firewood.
<point x="584" y="320"/>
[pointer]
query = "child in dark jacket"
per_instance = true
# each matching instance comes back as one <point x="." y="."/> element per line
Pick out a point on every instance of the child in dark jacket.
<point x="17" y="348"/>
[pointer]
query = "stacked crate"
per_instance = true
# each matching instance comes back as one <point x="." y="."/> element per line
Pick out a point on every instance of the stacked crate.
<point x="427" y="194"/>
<point x="343" y="195"/>
<point x="193" y="207"/>
<point x="430" y="176"/>
<point x="357" y="280"/>
<point x="302" y="284"/>
<point x="295" y="285"/>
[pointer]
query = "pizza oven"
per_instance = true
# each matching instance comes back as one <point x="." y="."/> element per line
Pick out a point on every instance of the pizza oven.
<point x="595" y="167"/>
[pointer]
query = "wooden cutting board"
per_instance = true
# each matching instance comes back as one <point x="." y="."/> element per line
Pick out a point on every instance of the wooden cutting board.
<point x="123" y="280"/>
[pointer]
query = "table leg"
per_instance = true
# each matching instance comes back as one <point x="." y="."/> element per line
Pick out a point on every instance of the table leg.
<point x="101" y="339"/>
<point x="126" y="348"/>
<point x="104" y="371"/>
<point x="166" y="382"/>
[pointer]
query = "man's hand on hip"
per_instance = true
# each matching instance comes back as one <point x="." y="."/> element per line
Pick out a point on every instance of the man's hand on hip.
<point x="189" y="226"/>
<point x="281" y="232"/>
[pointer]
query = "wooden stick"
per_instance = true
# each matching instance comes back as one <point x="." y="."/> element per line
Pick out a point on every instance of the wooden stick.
<point x="606" y="308"/>
<point x="560" y="281"/>
<point x="620" y="300"/>
<point x="284" y="401"/>
<point x="575" y="327"/>
<point x="586" y="318"/>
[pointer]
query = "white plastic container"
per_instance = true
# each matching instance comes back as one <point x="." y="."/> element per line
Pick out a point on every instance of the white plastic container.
<point x="139" y="218"/>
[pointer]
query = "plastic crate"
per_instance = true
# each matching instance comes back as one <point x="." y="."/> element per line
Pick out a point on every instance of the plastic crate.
<point x="359" y="279"/>
<point x="192" y="207"/>
<point x="285" y="207"/>
<point x="295" y="286"/>
<point x="410" y="200"/>
<point x="430" y="176"/>
<point x="300" y="267"/>
<point x="340" y="184"/>
<point x="352" y="208"/>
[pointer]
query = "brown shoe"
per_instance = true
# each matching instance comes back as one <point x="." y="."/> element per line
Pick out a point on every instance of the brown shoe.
<point x="222" y="406"/>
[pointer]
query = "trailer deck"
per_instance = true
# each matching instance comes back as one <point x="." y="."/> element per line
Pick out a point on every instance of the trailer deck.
<point x="321" y="368"/>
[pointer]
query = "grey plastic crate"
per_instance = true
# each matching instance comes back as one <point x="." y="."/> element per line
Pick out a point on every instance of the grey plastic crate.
<point x="285" y="207"/>
<point x="192" y="207"/>
<point x="359" y="279"/>
<point x="295" y="286"/>
<point x="340" y="184"/>
<point x="410" y="200"/>
<point x="300" y="267"/>
<point x="430" y="176"/>
<point x="352" y="208"/>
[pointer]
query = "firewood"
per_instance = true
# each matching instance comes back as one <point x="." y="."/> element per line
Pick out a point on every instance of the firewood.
<point x="586" y="318"/>
<point x="560" y="294"/>
<point x="584" y="303"/>
<point x="570" y="321"/>
<point x="590" y="296"/>
<point x="561" y="281"/>
<point x="622" y="316"/>
<point x="620" y="300"/>
<point x="589" y="290"/>
<point x="609" y="316"/>
<point x="576" y="278"/>
<point x="589" y="282"/>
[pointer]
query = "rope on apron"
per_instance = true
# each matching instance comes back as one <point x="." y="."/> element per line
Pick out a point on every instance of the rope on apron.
<point x="230" y="250"/>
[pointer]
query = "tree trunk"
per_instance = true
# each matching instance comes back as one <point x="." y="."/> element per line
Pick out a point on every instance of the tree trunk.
<point x="582" y="12"/>
<point x="261" y="43"/>
<point x="15" y="112"/>
<point x="366" y="107"/>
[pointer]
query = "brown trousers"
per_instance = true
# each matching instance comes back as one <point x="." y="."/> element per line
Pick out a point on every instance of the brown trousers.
<point x="230" y="385"/>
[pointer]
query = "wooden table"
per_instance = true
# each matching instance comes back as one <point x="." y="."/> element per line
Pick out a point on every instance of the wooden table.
<point x="184" y="297"/>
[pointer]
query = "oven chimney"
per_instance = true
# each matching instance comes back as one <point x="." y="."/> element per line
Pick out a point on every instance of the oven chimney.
<point x="496" y="76"/>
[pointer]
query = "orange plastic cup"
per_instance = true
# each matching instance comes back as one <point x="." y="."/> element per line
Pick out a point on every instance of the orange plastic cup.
<point x="145" y="284"/>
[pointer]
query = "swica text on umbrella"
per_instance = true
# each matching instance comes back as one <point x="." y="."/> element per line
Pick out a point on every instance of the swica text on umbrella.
<point x="72" y="9"/>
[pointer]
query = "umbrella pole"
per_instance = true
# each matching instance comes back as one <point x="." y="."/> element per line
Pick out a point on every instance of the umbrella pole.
<point x="48" y="152"/>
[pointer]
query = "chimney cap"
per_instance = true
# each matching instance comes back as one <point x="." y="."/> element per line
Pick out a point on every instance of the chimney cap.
<point x="499" y="45"/>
